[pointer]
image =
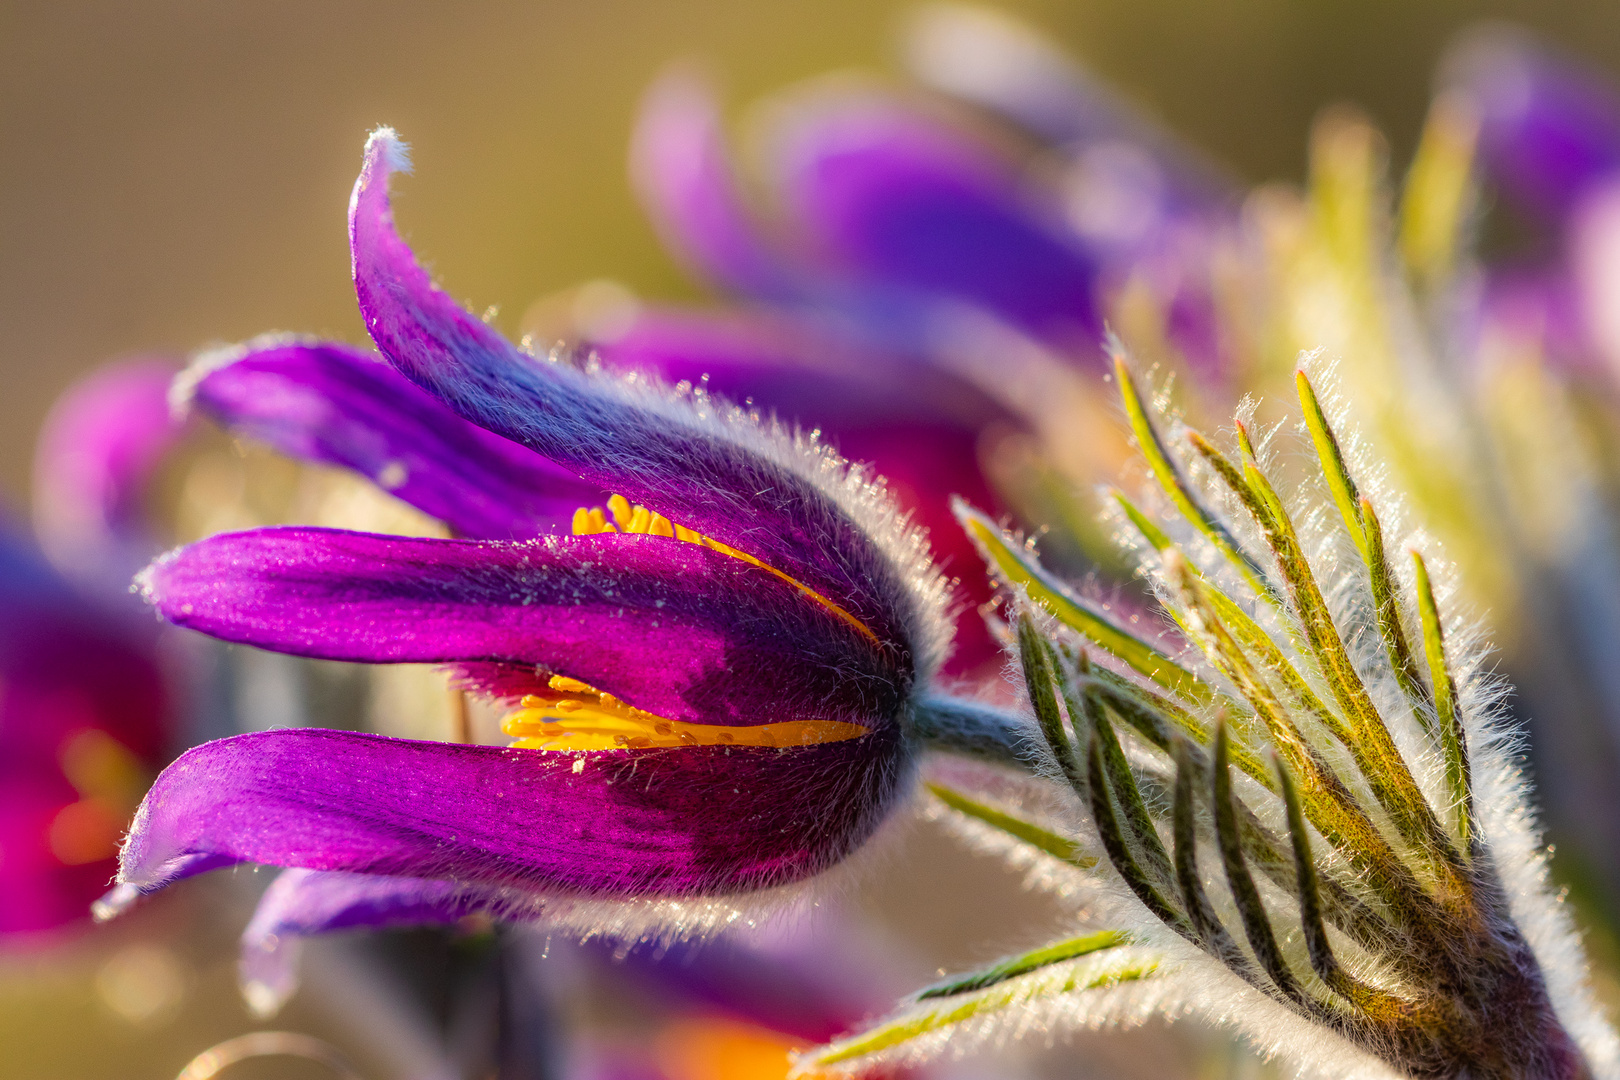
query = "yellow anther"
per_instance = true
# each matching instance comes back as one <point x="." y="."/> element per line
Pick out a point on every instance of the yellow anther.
<point x="619" y="507"/>
<point x="582" y="522"/>
<point x="606" y="723"/>
<point x="660" y="526"/>
<point x="639" y="518"/>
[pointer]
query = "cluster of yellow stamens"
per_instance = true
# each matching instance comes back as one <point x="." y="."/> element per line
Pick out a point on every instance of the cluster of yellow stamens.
<point x="576" y="716"/>
<point x="637" y="519"/>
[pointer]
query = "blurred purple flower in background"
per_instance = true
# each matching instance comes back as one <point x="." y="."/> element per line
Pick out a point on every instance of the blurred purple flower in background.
<point x="85" y="709"/>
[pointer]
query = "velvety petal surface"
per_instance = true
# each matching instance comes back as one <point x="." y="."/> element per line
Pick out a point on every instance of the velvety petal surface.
<point x="96" y="452"/>
<point x="674" y="628"/>
<point x="705" y="819"/>
<point x="689" y="462"/>
<point x="335" y="404"/>
<point x="682" y="169"/>
<point x="894" y="195"/>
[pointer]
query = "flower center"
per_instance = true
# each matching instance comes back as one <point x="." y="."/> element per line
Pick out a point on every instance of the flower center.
<point x="576" y="716"/>
<point x="640" y="520"/>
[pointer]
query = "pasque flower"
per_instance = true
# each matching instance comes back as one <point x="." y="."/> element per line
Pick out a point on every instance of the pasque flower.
<point x="716" y="679"/>
<point x="1295" y="812"/>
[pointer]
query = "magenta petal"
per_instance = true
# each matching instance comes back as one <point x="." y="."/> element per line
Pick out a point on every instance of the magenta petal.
<point x="682" y="169"/>
<point x="899" y="197"/>
<point x="671" y="627"/>
<point x="301" y="903"/>
<point x="97" y="451"/>
<point x="695" y="820"/>
<point x="332" y="403"/>
<point x="786" y="507"/>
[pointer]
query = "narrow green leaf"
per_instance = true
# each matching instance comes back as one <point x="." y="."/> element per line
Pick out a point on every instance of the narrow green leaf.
<point x="1211" y="931"/>
<point x="1256" y="923"/>
<point x="1119" y="852"/>
<point x="918" y="1022"/>
<point x="1175" y="485"/>
<point x="1376" y="1004"/>
<point x="1059" y="847"/>
<point x="1331" y="458"/>
<point x="1453" y="740"/>
<point x="1154" y="535"/>
<point x="1038" y="673"/>
<point x="1019" y="567"/>
<point x="1024" y="963"/>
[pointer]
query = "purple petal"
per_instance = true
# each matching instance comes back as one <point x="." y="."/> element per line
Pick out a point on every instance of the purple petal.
<point x="674" y="628"/>
<point x="301" y="903"/>
<point x="96" y="452"/>
<point x="695" y="820"/>
<point x="785" y="506"/>
<point x="682" y="169"/>
<point x="896" y="196"/>
<point x="321" y="401"/>
<point x="1549" y="128"/>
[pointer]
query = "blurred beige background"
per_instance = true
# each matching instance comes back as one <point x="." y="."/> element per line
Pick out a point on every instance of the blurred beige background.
<point x="176" y="173"/>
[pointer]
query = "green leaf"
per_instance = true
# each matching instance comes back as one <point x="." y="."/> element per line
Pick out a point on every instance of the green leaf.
<point x="1018" y="567"/>
<point x="1024" y="963"/>
<point x="1058" y="847"/>
<point x="939" y="1013"/>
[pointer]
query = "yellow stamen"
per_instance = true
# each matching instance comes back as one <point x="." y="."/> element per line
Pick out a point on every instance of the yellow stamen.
<point x="576" y="716"/>
<point x="641" y="521"/>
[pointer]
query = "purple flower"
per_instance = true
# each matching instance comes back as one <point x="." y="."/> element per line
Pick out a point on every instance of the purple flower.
<point x="83" y="724"/>
<point x="715" y="678"/>
<point x="893" y="211"/>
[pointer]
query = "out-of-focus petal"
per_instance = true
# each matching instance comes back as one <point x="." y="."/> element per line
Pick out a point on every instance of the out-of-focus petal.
<point x="789" y="506"/>
<point x="83" y="716"/>
<point x="96" y="452"/>
<point x="1548" y="128"/>
<point x="301" y="903"/>
<point x="682" y="169"/>
<point x="890" y="194"/>
<point x="674" y="628"/>
<point x="332" y="403"/>
<point x="702" y="819"/>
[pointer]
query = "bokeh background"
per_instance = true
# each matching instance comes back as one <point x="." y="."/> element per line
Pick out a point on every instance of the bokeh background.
<point x="174" y="174"/>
